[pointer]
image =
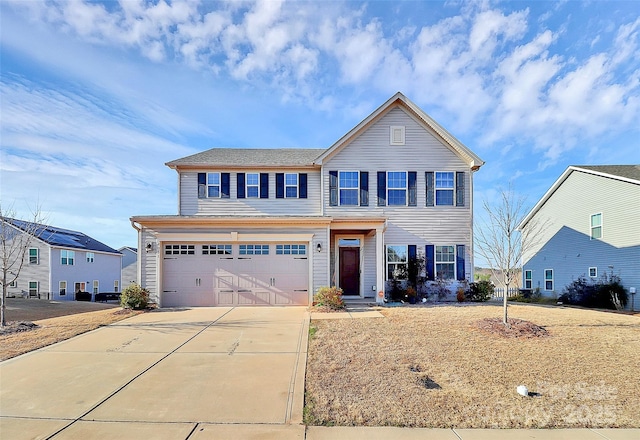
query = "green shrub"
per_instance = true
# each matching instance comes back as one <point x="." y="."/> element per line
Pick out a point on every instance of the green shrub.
<point x="329" y="297"/>
<point x="480" y="291"/>
<point x="134" y="297"/>
<point x="607" y="293"/>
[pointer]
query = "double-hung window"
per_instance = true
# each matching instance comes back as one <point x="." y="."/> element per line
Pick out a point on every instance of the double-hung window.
<point x="96" y="286"/>
<point x="213" y="185"/>
<point x="116" y="286"/>
<point x="528" y="279"/>
<point x="593" y="272"/>
<point x="67" y="257"/>
<point x="62" y="288"/>
<point x="33" y="256"/>
<point x="348" y="182"/>
<point x="445" y="262"/>
<point x="291" y="185"/>
<point x="444" y="188"/>
<point x="33" y="288"/>
<point x="397" y="261"/>
<point x="397" y="188"/>
<point x="596" y="226"/>
<point x="548" y="279"/>
<point x="90" y="257"/>
<point x="253" y="185"/>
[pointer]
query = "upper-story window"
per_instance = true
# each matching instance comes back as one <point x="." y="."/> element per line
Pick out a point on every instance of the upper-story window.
<point x="444" y="188"/>
<point x="291" y="185"/>
<point x="349" y="187"/>
<point x="397" y="188"/>
<point x="34" y="256"/>
<point x="90" y="257"/>
<point x="213" y="185"/>
<point x="67" y="257"/>
<point x="253" y="185"/>
<point x="596" y="226"/>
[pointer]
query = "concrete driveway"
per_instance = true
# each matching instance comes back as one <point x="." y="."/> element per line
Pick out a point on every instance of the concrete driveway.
<point x="171" y="374"/>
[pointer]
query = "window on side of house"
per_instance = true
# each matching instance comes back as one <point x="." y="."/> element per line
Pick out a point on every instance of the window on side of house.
<point x="90" y="257"/>
<point x="349" y="189"/>
<point x="96" y="286"/>
<point x="397" y="261"/>
<point x="446" y="262"/>
<point x="291" y="249"/>
<point x="396" y="188"/>
<point x="444" y="188"/>
<point x="254" y="249"/>
<point x="593" y="272"/>
<point x="548" y="279"/>
<point x="62" y="288"/>
<point x="596" y="226"/>
<point x="13" y="283"/>
<point x="34" y="256"/>
<point x="213" y="185"/>
<point x="67" y="258"/>
<point x="253" y="185"/>
<point x="216" y="249"/>
<point x="116" y="286"/>
<point x="33" y="288"/>
<point x="291" y="185"/>
<point x="528" y="279"/>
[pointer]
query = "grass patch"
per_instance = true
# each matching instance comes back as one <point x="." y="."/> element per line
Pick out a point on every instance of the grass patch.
<point x="437" y="367"/>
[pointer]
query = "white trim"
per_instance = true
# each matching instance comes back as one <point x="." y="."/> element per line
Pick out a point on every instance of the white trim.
<point x="596" y="274"/>
<point x="591" y="226"/>
<point x="231" y="237"/>
<point x="296" y="186"/>
<point x="544" y="279"/>
<point x="406" y="187"/>
<point x="436" y="188"/>
<point x="246" y="186"/>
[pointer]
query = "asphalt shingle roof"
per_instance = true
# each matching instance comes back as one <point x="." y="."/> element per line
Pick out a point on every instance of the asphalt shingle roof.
<point x="626" y="171"/>
<point x="247" y="157"/>
<point x="62" y="237"/>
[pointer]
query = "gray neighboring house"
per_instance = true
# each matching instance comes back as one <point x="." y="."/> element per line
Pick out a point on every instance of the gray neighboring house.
<point x="61" y="262"/>
<point x="129" y="265"/>
<point x="271" y="226"/>
<point x="594" y="215"/>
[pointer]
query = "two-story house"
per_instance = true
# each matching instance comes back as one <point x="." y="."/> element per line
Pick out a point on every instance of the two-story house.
<point x="61" y="262"/>
<point x="271" y="226"/>
<point x="592" y="227"/>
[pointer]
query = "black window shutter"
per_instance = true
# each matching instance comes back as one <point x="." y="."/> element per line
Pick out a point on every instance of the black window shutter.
<point x="302" y="185"/>
<point x="460" y="262"/>
<point x="241" y="185"/>
<point x="264" y="185"/>
<point x="412" y="273"/>
<point x="279" y="185"/>
<point x="364" y="188"/>
<point x="459" y="188"/>
<point x="428" y="177"/>
<point x="382" y="188"/>
<point x="202" y="185"/>
<point x="413" y="192"/>
<point x="225" y="183"/>
<point x="333" y="188"/>
<point x="430" y="256"/>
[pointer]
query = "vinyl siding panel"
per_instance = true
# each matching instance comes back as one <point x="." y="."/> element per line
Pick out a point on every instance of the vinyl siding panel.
<point x="149" y="262"/>
<point x="566" y="244"/>
<point x="34" y="272"/>
<point x="190" y="204"/>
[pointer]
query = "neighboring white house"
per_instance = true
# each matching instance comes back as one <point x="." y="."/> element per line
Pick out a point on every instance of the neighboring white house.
<point x="594" y="228"/>
<point x="61" y="262"/>
<point x="271" y="226"/>
<point x="129" y="265"/>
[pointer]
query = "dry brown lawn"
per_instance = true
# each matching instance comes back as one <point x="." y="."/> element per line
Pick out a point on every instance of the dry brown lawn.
<point x="437" y="367"/>
<point x="52" y="330"/>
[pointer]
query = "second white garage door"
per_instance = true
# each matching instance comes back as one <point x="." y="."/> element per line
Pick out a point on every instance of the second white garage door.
<point x="209" y="274"/>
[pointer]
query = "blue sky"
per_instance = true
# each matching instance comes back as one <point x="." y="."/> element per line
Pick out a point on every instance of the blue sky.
<point x="96" y="97"/>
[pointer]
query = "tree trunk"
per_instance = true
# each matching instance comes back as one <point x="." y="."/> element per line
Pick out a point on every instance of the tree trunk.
<point x="504" y="303"/>
<point x="4" y="307"/>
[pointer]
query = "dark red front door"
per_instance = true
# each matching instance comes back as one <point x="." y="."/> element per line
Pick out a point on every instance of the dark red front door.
<point x="350" y="270"/>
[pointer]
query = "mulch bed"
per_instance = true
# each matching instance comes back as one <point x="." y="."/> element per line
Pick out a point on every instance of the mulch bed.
<point x="17" y="327"/>
<point x="516" y="328"/>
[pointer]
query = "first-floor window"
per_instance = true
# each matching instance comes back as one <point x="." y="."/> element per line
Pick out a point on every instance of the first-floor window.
<point x="446" y="262"/>
<point x="397" y="260"/>
<point x="62" y="289"/>
<point x="90" y="257"/>
<point x="96" y="285"/>
<point x="33" y="256"/>
<point x="528" y="279"/>
<point x="67" y="257"/>
<point x="33" y="288"/>
<point x="116" y="286"/>
<point x="593" y="272"/>
<point x="291" y="185"/>
<point x="548" y="279"/>
<point x="13" y="283"/>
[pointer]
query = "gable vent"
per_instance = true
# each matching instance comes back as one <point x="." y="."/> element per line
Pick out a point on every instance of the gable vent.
<point x="397" y="135"/>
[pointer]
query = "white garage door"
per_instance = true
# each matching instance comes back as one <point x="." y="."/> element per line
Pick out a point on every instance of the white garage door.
<point x="211" y="274"/>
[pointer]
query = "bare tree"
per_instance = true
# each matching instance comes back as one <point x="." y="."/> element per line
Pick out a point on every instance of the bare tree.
<point x="15" y="238"/>
<point x="500" y="242"/>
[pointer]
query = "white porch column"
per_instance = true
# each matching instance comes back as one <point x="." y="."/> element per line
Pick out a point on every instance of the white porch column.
<point x="380" y="264"/>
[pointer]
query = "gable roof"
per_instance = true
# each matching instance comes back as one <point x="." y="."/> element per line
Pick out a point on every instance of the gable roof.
<point x="400" y="100"/>
<point x="249" y="157"/>
<point x="59" y="237"/>
<point x="624" y="173"/>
